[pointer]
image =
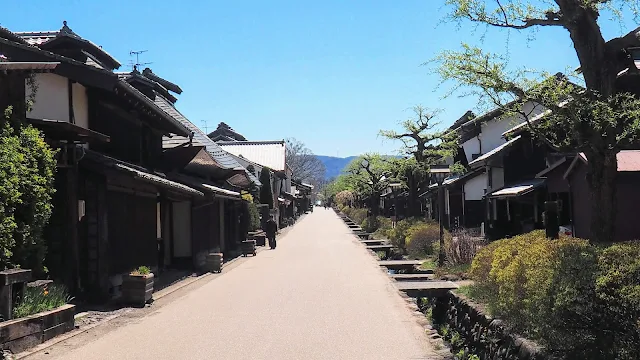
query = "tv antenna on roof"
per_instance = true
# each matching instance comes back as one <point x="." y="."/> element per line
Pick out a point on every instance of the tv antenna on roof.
<point x="137" y="63"/>
<point x="205" y="126"/>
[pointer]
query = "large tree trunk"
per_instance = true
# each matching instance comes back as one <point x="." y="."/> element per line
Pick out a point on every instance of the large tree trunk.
<point x="412" y="209"/>
<point x="602" y="172"/>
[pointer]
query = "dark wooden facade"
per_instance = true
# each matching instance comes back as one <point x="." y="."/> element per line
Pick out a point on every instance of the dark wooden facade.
<point x="517" y="214"/>
<point x="578" y="196"/>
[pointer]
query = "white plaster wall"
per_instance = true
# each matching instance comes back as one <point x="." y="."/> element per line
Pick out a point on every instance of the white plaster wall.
<point x="491" y="131"/>
<point x="182" y="229"/>
<point x="80" y="105"/>
<point x="51" y="100"/>
<point x="474" y="188"/>
<point x="471" y="146"/>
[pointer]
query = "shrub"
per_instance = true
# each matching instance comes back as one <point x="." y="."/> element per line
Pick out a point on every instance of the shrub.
<point x="358" y="215"/>
<point x="347" y="211"/>
<point x="39" y="299"/>
<point x="27" y="170"/>
<point x="254" y="216"/>
<point x="141" y="270"/>
<point x="398" y="235"/>
<point x="422" y="239"/>
<point x="384" y="227"/>
<point x="266" y="194"/>
<point x="370" y="224"/>
<point x="565" y="293"/>
<point x="461" y="247"/>
<point x="618" y="286"/>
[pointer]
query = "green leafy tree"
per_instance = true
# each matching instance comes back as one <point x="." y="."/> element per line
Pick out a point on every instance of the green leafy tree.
<point x="27" y="170"/>
<point x="426" y="145"/>
<point x="369" y="175"/>
<point x="266" y="194"/>
<point x="598" y="119"/>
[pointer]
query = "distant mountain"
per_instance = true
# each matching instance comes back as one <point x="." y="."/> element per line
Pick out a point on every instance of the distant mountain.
<point x="334" y="165"/>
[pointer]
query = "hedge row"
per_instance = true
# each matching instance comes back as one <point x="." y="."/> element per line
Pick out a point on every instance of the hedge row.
<point x="579" y="300"/>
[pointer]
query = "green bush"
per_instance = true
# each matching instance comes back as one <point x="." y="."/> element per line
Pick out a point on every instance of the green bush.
<point x="422" y="239"/>
<point x="384" y="227"/>
<point x="27" y="170"/>
<point x="358" y="215"/>
<point x="370" y="224"/>
<point x="254" y="216"/>
<point x="568" y="295"/>
<point x="618" y="286"/>
<point x="39" y="299"/>
<point x="398" y="235"/>
<point x="347" y="211"/>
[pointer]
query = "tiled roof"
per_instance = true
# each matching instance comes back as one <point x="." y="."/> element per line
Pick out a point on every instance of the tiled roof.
<point x="39" y="38"/>
<point x="266" y="153"/>
<point x="221" y="156"/>
<point x="179" y="126"/>
<point x="140" y="173"/>
<point x="157" y="180"/>
<point x="165" y="83"/>
<point x="495" y="151"/>
<point x="10" y="65"/>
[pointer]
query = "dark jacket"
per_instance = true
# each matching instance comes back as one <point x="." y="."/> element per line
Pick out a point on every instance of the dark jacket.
<point x="271" y="227"/>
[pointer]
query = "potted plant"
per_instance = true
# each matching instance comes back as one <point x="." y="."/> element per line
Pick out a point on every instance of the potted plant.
<point x="137" y="286"/>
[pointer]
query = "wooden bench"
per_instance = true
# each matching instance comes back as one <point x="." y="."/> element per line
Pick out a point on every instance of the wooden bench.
<point x="420" y="289"/>
<point x="400" y="264"/>
<point x="412" y="277"/>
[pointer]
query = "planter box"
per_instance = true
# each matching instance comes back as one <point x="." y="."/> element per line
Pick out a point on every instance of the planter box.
<point x="248" y="247"/>
<point x="137" y="289"/>
<point x="213" y="262"/>
<point x="261" y="239"/>
<point x="21" y="334"/>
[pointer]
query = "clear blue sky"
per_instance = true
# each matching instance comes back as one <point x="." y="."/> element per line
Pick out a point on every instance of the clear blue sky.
<point x="330" y="73"/>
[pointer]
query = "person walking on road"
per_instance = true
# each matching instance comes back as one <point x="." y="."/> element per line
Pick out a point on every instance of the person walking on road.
<point x="271" y="228"/>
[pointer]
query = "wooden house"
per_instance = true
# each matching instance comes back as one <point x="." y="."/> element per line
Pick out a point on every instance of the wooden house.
<point x="110" y="195"/>
<point x="567" y="178"/>
<point x="120" y="203"/>
<point x="481" y="147"/>
<point x="214" y="222"/>
<point x="271" y="155"/>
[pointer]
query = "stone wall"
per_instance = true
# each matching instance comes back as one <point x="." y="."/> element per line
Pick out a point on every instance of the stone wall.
<point x="478" y="333"/>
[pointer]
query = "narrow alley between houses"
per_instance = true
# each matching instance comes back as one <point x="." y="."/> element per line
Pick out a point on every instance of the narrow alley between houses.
<point x="319" y="295"/>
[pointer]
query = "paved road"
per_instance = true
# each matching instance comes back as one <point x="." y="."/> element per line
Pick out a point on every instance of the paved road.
<point x="319" y="295"/>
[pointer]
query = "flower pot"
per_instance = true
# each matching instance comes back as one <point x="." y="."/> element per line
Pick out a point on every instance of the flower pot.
<point x="213" y="262"/>
<point x="137" y="289"/>
<point x="248" y="247"/>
